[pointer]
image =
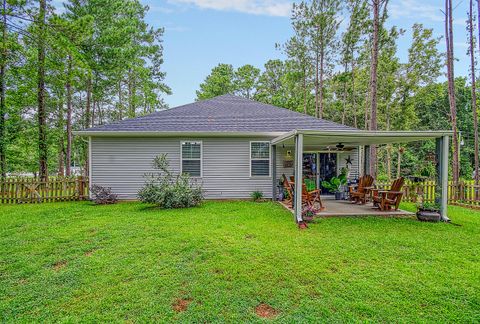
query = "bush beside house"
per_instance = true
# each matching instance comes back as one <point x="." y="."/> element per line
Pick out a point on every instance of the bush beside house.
<point x="167" y="190"/>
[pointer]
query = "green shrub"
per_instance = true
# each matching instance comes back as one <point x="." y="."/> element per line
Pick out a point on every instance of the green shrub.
<point x="256" y="195"/>
<point x="167" y="190"/>
<point x="430" y="206"/>
<point x="103" y="195"/>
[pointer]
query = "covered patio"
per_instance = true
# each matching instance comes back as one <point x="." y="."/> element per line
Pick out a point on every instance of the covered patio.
<point x="334" y="208"/>
<point x="301" y="141"/>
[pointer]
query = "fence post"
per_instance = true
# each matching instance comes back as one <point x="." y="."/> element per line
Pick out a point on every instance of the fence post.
<point x="81" y="188"/>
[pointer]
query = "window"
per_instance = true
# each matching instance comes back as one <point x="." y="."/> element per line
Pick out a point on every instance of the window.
<point x="191" y="156"/>
<point x="260" y="159"/>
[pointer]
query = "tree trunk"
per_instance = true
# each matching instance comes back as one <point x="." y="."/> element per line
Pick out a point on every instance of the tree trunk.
<point x="354" y="101"/>
<point x="344" y="99"/>
<point x="61" y="142"/>
<point x="389" y="162"/>
<point x="373" y="84"/>
<point x="305" y="90"/>
<point x="68" y="86"/>
<point x="42" y="114"/>
<point x="474" y="94"/>
<point x="451" y="86"/>
<point x="131" y="94"/>
<point x="3" y="85"/>
<point x="88" y="103"/>
<point x="94" y="110"/>
<point x="399" y="162"/>
<point x="322" y="58"/>
<point x="317" y="113"/>
<point x="389" y="146"/>
<point x="120" y="100"/>
<point x="366" y="112"/>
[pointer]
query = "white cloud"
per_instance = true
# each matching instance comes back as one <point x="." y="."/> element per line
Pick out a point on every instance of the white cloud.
<point x="415" y="8"/>
<point x="280" y="8"/>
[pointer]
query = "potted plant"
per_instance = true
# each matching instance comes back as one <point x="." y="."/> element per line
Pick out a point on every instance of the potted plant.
<point x="335" y="185"/>
<point x="428" y="212"/>
<point x="308" y="213"/>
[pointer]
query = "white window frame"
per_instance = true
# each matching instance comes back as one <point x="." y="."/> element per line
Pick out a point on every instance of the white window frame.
<point x="264" y="159"/>
<point x="190" y="159"/>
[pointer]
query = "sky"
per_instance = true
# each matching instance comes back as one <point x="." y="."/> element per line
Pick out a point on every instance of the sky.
<point x="199" y="34"/>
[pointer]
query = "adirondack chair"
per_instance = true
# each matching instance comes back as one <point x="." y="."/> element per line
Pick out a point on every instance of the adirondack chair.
<point x="288" y="188"/>
<point x="312" y="198"/>
<point x="361" y="192"/>
<point x="386" y="199"/>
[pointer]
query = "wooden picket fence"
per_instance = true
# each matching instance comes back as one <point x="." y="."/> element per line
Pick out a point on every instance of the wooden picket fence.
<point x="33" y="190"/>
<point x="465" y="193"/>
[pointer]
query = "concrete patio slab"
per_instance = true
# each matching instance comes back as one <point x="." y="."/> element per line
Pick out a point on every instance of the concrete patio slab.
<point x="334" y="208"/>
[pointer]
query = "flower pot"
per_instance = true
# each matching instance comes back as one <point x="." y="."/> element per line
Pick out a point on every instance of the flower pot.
<point x="308" y="219"/>
<point x="338" y="195"/>
<point x="428" y="215"/>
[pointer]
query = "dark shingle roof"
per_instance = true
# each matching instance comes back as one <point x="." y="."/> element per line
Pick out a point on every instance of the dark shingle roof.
<point x="225" y="113"/>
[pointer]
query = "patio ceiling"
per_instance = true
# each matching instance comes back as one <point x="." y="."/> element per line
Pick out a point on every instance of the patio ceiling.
<point x="355" y="138"/>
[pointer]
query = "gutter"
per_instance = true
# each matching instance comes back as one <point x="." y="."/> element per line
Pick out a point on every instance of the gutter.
<point x="175" y="134"/>
<point x="364" y="134"/>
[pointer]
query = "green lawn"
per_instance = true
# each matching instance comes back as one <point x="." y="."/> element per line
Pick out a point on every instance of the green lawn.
<point x="126" y="262"/>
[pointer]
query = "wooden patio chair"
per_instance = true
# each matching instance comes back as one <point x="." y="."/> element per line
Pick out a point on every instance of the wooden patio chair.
<point x="386" y="199"/>
<point x="361" y="192"/>
<point x="288" y="188"/>
<point x="312" y="198"/>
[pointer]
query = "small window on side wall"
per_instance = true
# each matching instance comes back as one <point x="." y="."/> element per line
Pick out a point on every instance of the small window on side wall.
<point x="191" y="156"/>
<point x="259" y="159"/>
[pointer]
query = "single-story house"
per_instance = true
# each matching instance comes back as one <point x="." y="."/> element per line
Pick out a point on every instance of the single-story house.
<point x="234" y="146"/>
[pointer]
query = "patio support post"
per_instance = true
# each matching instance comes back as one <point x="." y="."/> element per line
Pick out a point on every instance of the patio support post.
<point x="441" y="190"/>
<point x="274" y="172"/>
<point x="366" y="158"/>
<point x="298" y="177"/>
<point x="444" y="202"/>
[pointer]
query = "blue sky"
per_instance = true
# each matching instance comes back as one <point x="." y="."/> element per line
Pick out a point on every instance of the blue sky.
<point x="199" y="34"/>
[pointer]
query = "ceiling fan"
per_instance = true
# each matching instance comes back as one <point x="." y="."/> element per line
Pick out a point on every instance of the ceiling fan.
<point x="341" y="147"/>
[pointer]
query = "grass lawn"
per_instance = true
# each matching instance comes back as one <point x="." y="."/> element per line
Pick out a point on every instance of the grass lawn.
<point x="126" y="262"/>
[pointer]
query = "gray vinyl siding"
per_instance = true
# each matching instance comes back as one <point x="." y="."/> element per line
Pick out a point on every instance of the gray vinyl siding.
<point x="281" y="157"/>
<point x="354" y="167"/>
<point x="120" y="163"/>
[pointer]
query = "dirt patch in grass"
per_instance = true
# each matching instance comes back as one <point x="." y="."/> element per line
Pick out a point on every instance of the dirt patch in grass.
<point x="90" y="252"/>
<point x="59" y="265"/>
<point x="181" y="304"/>
<point x="265" y="311"/>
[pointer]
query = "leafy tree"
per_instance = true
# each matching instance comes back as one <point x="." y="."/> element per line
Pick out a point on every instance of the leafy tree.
<point x="351" y="41"/>
<point x="62" y="72"/>
<point x="246" y="80"/>
<point x="470" y="28"/>
<point x="451" y="85"/>
<point x="280" y="85"/>
<point x="220" y="81"/>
